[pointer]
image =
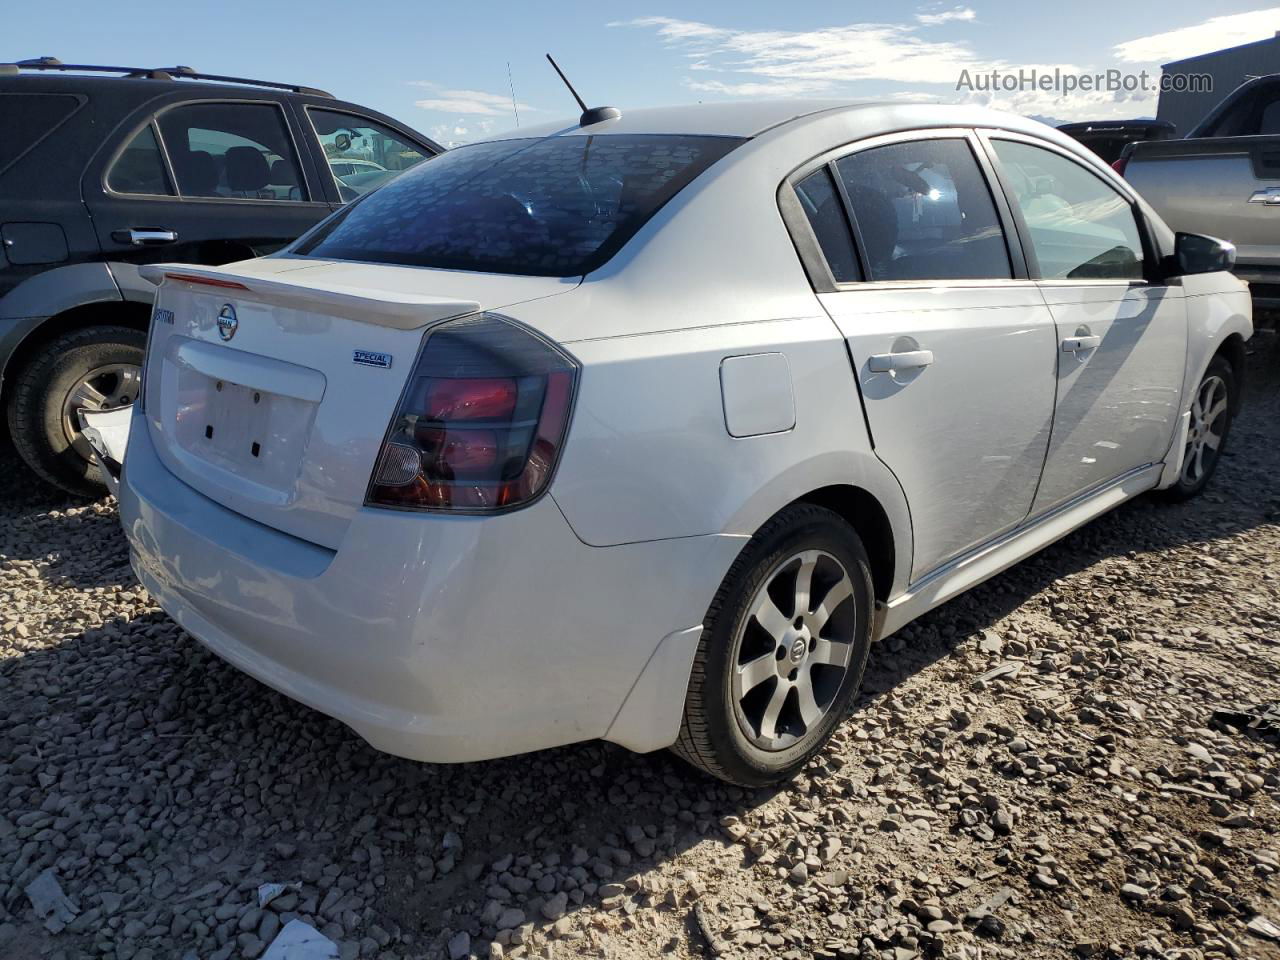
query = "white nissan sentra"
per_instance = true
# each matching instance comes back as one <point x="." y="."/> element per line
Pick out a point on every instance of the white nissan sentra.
<point x="644" y="430"/>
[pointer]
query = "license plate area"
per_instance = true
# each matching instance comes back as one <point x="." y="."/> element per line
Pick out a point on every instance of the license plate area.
<point x="247" y="431"/>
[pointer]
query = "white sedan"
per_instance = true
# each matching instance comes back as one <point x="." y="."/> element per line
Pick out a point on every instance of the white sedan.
<point x="645" y="430"/>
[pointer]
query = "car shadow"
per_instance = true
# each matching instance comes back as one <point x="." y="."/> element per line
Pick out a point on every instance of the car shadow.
<point x="1242" y="496"/>
<point x="243" y="786"/>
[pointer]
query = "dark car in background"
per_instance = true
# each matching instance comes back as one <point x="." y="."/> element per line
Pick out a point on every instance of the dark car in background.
<point x="103" y="169"/>
<point x="1108" y="138"/>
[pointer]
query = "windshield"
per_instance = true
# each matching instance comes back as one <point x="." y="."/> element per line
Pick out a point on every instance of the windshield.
<point x="553" y="207"/>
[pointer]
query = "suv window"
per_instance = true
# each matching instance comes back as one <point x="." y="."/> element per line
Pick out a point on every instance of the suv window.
<point x="232" y="150"/>
<point x="140" y="167"/>
<point x="1080" y="228"/>
<point x="825" y="210"/>
<point x="29" y="118"/>
<point x="924" y="212"/>
<point x="553" y="207"/>
<point x="362" y="153"/>
<point x="1255" y="114"/>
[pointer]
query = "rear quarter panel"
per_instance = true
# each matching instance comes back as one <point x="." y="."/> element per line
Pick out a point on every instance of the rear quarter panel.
<point x="649" y="454"/>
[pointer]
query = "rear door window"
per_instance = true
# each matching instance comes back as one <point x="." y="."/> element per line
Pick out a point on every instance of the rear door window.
<point x="924" y="212"/>
<point x="239" y="151"/>
<point x="825" y="211"/>
<point x="553" y="207"/>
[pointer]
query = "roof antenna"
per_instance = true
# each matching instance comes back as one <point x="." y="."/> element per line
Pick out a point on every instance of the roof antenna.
<point x="590" y="115"/>
<point x="514" y="108"/>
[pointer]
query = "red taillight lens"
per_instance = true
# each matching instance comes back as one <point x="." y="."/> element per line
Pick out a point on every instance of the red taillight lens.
<point x="470" y="399"/>
<point x="481" y="423"/>
<point x="459" y="451"/>
<point x="1119" y="164"/>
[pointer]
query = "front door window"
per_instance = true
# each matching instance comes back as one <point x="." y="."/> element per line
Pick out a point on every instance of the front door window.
<point x="1081" y="228"/>
<point x="362" y="153"/>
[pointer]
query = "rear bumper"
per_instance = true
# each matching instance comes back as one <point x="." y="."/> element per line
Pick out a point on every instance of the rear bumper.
<point x="107" y="433"/>
<point x="435" y="638"/>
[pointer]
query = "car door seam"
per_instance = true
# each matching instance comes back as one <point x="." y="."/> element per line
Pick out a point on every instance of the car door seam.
<point x="1053" y="409"/>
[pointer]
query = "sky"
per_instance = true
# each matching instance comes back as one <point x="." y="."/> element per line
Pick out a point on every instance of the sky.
<point x="450" y="69"/>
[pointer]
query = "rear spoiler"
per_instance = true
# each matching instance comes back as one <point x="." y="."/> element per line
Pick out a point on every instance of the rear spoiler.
<point x="404" y="311"/>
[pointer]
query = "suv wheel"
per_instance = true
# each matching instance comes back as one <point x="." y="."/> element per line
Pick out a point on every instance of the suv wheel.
<point x="1212" y="407"/>
<point x="782" y="652"/>
<point x="98" y="368"/>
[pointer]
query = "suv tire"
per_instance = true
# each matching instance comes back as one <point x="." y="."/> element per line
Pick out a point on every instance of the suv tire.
<point x="773" y="675"/>
<point x="42" y="389"/>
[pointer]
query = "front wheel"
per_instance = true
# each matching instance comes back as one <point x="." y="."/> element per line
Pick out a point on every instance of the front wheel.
<point x="97" y="368"/>
<point x="1212" y="408"/>
<point x="782" y="651"/>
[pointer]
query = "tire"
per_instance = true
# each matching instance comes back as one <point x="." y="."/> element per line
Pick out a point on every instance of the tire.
<point x="1220" y="384"/>
<point x="39" y="422"/>
<point x="726" y="730"/>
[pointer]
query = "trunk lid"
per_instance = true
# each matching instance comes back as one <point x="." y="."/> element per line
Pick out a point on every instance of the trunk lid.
<point x="270" y="384"/>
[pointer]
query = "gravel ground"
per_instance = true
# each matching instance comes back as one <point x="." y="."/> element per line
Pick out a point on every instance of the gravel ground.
<point x="1045" y="767"/>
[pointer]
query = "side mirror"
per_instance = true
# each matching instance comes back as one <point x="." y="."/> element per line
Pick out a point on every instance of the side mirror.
<point x="1193" y="253"/>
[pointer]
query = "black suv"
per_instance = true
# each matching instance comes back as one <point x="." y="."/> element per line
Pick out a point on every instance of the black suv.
<point x="106" y="168"/>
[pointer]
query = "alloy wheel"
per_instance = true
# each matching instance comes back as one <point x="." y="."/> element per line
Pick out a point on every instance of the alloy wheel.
<point x="1209" y="419"/>
<point x="793" y="649"/>
<point x="103" y="388"/>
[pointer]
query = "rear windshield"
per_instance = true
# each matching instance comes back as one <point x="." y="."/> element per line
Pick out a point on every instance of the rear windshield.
<point x="553" y="207"/>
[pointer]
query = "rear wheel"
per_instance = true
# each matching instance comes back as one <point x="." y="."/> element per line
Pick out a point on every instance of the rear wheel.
<point x="1212" y="409"/>
<point x="782" y="652"/>
<point x="97" y="368"/>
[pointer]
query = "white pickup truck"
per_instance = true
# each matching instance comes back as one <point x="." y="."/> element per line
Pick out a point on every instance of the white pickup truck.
<point x="1223" y="179"/>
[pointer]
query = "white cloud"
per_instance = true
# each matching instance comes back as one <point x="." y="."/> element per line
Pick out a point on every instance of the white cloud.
<point x="676" y="30"/>
<point x="959" y="14"/>
<point x="1214" y="34"/>
<point x="468" y="102"/>
<point x="1092" y="105"/>
<point x="757" y="89"/>
<point x="458" y="132"/>
<point x="1080" y="105"/>
<point x="879" y="61"/>
<point x="812" y="61"/>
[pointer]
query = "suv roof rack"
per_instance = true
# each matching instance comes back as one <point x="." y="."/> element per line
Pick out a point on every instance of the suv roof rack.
<point x="151" y="73"/>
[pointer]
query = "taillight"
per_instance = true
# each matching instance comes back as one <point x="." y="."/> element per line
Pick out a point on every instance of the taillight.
<point x="140" y="401"/>
<point x="481" y="422"/>
<point x="1119" y="164"/>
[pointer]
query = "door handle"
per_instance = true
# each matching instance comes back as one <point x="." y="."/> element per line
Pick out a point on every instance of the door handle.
<point x="893" y="362"/>
<point x="1077" y="344"/>
<point x="144" y="236"/>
